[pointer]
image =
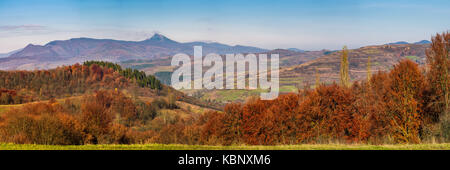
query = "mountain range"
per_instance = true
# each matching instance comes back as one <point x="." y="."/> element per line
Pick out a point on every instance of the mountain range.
<point x="404" y="42"/>
<point x="78" y="50"/>
<point x="3" y="55"/>
<point x="75" y="50"/>
<point x="296" y="50"/>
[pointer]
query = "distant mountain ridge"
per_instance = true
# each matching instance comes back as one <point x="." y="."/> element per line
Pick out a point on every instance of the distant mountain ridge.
<point x="404" y="42"/>
<point x="423" y="42"/>
<point x="78" y="50"/>
<point x="2" y="55"/>
<point x="66" y="52"/>
<point x="296" y="50"/>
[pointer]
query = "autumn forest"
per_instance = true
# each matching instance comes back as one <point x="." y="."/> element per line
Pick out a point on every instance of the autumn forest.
<point x="101" y="103"/>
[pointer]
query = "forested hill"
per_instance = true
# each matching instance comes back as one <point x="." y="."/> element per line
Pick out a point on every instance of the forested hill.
<point x="140" y="77"/>
<point x="25" y="86"/>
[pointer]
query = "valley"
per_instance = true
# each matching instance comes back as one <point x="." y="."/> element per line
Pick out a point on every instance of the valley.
<point x="129" y="100"/>
<point x="298" y="69"/>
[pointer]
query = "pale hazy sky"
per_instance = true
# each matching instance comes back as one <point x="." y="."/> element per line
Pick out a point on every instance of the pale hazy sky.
<point x="310" y="25"/>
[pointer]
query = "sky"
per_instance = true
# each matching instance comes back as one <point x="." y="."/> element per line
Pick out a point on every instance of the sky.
<point x="270" y="24"/>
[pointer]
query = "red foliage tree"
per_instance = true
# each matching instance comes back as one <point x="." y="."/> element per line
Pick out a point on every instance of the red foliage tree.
<point x="404" y="101"/>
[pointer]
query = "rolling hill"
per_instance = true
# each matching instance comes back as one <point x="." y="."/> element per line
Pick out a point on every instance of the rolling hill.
<point x="299" y="68"/>
<point x="383" y="57"/>
<point x="19" y="87"/>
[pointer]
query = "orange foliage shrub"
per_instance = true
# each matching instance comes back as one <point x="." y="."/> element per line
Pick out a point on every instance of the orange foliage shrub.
<point x="41" y="123"/>
<point x="213" y="129"/>
<point x="53" y="124"/>
<point x="326" y="114"/>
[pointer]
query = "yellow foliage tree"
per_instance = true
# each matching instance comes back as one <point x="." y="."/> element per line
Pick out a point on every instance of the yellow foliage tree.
<point x="317" y="78"/>
<point x="344" y="68"/>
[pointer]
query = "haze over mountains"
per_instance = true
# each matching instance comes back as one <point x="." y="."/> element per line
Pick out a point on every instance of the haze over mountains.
<point x="404" y="42"/>
<point x="3" y="55"/>
<point x="75" y="50"/>
<point x="78" y="50"/>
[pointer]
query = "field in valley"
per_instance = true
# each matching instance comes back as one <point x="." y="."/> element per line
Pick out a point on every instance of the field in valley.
<point x="444" y="146"/>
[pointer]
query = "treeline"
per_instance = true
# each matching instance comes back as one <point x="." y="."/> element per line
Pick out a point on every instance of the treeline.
<point x="406" y="105"/>
<point x="62" y="81"/>
<point x="141" y="78"/>
<point x="25" y="86"/>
